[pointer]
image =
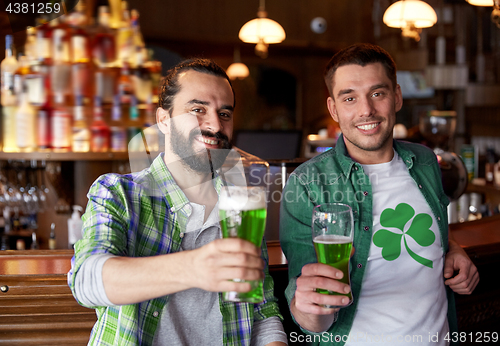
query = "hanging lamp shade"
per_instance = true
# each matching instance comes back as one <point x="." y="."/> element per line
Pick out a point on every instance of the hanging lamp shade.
<point x="237" y="70"/>
<point x="263" y="30"/>
<point x="413" y="13"/>
<point x="480" y="2"/>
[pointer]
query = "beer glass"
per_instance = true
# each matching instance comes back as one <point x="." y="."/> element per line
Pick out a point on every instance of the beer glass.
<point x="332" y="234"/>
<point x="242" y="212"/>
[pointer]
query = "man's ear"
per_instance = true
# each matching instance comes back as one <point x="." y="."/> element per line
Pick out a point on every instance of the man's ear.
<point x="163" y="120"/>
<point x="330" y="103"/>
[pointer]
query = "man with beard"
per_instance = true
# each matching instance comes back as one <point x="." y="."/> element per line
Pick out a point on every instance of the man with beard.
<point x="151" y="261"/>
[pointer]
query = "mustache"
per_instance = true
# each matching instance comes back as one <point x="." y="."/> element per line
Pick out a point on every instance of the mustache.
<point x="217" y="135"/>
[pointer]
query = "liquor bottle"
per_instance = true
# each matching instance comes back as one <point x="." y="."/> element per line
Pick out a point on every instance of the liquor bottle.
<point x="81" y="133"/>
<point x="25" y="124"/>
<point x="143" y="85"/>
<point x="8" y="68"/>
<point x="99" y="129"/>
<point x="44" y="42"/>
<point x="43" y="121"/>
<point x="138" y="40"/>
<point x="118" y="131"/>
<point x="150" y="130"/>
<point x="60" y="71"/>
<point x="30" y="45"/>
<point x="22" y="71"/>
<point x="52" y="237"/>
<point x="124" y="37"/>
<point x="134" y="128"/>
<point x="81" y="68"/>
<point x="60" y="125"/>
<point x="154" y="67"/>
<point x="104" y="45"/>
<point x="125" y="85"/>
<point x="79" y="41"/>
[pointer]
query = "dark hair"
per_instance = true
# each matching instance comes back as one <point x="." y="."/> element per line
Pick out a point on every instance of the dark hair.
<point x="360" y="54"/>
<point x="169" y="86"/>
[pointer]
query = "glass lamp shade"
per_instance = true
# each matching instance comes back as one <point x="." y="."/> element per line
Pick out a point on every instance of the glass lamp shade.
<point x="262" y="29"/>
<point x="414" y="13"/>
<point x="237" y="70"/>
<point x="480" y="2"/>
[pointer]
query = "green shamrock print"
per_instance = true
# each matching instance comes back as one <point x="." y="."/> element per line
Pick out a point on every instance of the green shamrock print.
<point x="419" y="230"/>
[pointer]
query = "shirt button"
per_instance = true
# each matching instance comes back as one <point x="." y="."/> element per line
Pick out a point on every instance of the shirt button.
<point x="355" y="168"/>
<point x="420" y="186"/>
<point x="365" y="193"/>
<point x="439" y="218"/>
<point x="367" y="228"/>
<point x="359" y="265"/>
<point x="172" y="210"/>
<point x="156" y="313"/>
<point x="181" y="235"/>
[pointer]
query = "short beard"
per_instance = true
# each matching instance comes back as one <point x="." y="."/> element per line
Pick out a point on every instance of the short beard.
<point x="203" y="161"/>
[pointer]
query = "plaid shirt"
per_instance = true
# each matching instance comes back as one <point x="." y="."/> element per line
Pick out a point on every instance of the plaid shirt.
<point x="143" y="214"/>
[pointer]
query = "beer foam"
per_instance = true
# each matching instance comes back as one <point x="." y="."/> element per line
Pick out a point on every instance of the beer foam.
<point x="239" y="198"/>
<point x="332" y="239"/>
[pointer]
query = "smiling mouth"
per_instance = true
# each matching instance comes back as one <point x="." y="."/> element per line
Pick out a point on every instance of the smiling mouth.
<point x="368" y="126"/>
<point x="208" y="141"/>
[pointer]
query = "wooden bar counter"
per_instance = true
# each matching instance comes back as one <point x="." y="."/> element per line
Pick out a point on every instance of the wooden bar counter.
<point x="37" y="307"/>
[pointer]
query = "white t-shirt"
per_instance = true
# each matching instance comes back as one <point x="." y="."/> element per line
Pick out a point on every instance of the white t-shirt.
<point x="403" y="297"/>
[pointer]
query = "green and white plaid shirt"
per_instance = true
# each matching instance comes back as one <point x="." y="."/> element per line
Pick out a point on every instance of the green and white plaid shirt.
<point x="144" y="214"/>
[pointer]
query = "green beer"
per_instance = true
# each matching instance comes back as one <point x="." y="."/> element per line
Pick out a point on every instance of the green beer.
<point x="335" y="251"/>
<point x="242" y="214"/>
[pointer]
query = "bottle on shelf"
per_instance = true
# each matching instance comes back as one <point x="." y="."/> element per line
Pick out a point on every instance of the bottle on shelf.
<point x="138" y="40"/>
<point x="125" y="85"/>
<point x="81" y="67"/>
<point x="44" y="115"/>
<point x="99" y="129"/>
<point x="26" y="124"/>
<point x="143" y="85"/>
<point x="81" y="132"/>
<point x="52" y="237"/>
<point x="118" y="131"/>
<point x="150" y="130"/>
<point x="60" y="71"/>
<point x="124" y="37"/>
<point x="134" y="127"/>
<point x="104" y="45"/>
<point x="44" y="42"/>
<point x="60" y="125"/>
<point x="8" y="68"/>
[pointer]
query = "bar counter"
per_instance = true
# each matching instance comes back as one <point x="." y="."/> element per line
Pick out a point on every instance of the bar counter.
<point x="37" y="307"/>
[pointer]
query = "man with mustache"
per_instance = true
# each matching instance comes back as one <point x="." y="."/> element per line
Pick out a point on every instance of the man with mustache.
<point x="151" y="260"/>
<point x="405" y="267"/>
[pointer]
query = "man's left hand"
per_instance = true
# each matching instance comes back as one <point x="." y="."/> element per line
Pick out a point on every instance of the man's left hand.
<point x="456" y="260"/>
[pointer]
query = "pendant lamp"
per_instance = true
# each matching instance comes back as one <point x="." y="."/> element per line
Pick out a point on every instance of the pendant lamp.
<point x="411" y="16"/>
<point x="237" y="70"/>
<point x="262" y="31"/>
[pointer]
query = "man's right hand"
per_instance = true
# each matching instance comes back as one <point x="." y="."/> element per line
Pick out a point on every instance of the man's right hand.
<point x="222" y="260"/>
<point x="306" y="305"/>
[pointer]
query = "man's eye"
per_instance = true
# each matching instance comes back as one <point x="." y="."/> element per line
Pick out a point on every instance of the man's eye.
<point x="349" y="99"/>
<point x="377" y="94"/>
<point x="225" y="115"/>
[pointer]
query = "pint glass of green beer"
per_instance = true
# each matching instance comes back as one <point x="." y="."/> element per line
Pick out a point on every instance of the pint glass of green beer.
<point x="242" y="212"/>
<point x="332" y="234"/>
